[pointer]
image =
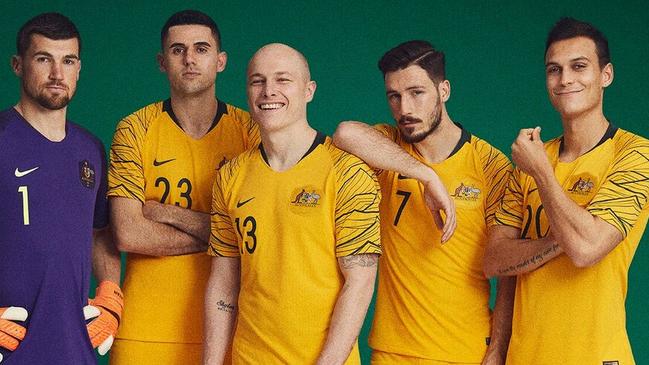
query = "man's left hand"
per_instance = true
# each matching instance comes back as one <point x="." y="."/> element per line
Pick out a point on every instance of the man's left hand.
<point x="104" y="313"/>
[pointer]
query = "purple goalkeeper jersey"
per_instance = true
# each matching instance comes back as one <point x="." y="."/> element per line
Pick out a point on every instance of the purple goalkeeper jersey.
<point x="52" y="194"/>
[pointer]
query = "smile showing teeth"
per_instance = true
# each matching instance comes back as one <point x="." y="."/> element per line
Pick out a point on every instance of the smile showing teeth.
<point x="270" y="106"/>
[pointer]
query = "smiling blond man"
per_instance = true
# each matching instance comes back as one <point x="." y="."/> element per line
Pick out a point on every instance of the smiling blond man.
<point x="295" y="233"/>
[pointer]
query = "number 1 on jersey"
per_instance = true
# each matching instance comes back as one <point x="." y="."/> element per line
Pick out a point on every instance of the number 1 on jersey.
<point x="23" y="190"/>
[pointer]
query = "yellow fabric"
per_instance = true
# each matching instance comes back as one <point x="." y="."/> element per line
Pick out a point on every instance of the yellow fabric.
<point x="564" y="314"/>
<point x="164" y="295"/>
<point x="386" y="358"/>
<point x="155" y="353"/>
<point x="433" y="300"/>
<point x="288" y="228"/>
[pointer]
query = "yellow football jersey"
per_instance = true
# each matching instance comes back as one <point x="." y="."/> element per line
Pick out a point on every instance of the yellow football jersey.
<point x="569" y="315"/>
<point x="151" y="158"/>
<point x="432" y="299"/>
<point x="288" y="229"/>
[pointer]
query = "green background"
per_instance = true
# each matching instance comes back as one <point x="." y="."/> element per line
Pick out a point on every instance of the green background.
<point x="494" y="53"/>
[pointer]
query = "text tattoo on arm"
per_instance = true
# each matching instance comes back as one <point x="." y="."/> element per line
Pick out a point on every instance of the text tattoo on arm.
<point x="225" y="307"/>
<point x="533" y="260"/>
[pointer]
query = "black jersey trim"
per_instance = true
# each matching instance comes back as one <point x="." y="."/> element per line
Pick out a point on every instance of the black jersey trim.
<point x="465" y="137"/>
<point x="320" y="138"/>
<point x="609" y="134"/>
<point x="221" y="110"/>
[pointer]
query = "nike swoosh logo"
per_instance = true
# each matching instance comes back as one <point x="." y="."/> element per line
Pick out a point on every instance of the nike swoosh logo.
<point x="401" y="177"/>
<point x="241" y="203"/>
<point x="19" y="173"/>
<point x="160" y="163"/>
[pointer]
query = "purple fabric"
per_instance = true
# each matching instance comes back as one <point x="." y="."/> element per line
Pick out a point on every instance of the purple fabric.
<point x="45" y="266"/>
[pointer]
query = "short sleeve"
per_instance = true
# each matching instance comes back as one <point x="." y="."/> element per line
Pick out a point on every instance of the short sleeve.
<point x="497" y="170"/>
<point x="509" y="211"/>
<point x="223" y="239"/>
<point x="624" y="193"/>
<point x="100" y="218"/>
<point x="125" y="173"/>
<point x="357" y="207"/>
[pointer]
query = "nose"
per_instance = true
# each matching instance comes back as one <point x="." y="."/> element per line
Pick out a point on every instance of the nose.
<point x="189" y="57"/>
<point x="567" y="77"/>
<point x="269" y="88"/>
<point x="56" y="71"/>
<point x="405" y="105"/>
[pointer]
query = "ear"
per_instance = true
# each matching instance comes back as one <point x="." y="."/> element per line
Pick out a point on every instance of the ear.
<point x="17" y="65"/>
<point x="607" y="75"/>
<point x="221" y="61"/>
<point x="444" y="90"/>
<point x="79" y="70"/>
<point x="310" y="90"/>
<point x="161" y="62"/>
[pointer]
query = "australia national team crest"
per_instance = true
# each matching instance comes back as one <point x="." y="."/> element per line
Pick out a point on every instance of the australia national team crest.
<point x="87" y="174"/>
<point x="582" y="185"/>
<point x="466" y="192"/>
<point x="306" y="197"/>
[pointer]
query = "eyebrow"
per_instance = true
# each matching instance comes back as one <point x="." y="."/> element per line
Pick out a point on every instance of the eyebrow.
<point x="280" y="73"/>
<point x="47" y="54"/>
<point x="581" y="58"/>
<point x="201" y="43"/>
<point x="391" y="91"/>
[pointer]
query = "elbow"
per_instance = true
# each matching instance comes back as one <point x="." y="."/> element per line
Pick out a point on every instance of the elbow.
<point x="583" y="258"/>
<point x="123" y="241"/>
<point x="583" y="254"/>
<point x="344" y="133"/>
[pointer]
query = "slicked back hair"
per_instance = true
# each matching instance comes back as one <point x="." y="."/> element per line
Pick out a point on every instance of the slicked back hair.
<point x="417" y="52"/>
<point x="567" y="28"/>
<point x="190" y="17"/>
<point x="50" y="25"/>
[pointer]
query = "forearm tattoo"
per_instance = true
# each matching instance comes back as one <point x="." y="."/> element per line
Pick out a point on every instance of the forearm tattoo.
<point x="536" y="260"/>
<point x="362" y="260"/>
<point x="225" y="307"/>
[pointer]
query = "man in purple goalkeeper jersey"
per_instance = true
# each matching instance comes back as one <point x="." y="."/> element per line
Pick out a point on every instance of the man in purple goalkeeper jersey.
<point x="54" y="225"/>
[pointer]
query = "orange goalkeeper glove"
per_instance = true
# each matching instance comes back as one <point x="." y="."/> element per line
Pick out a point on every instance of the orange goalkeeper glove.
<point x="11" y="333"/>
<point x="104" y="312"/>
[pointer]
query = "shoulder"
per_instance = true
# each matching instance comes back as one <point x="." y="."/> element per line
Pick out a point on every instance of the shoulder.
<point x="7" y="117"/>
<point x="143" y="117"/>
<point x="85" y="135"/>
<point x="231" y="169"/>
<point x="237" y="114"/>
<point x="486" y="151"/>
<point x="626" y="141"/>
<point x="346" y="165"/>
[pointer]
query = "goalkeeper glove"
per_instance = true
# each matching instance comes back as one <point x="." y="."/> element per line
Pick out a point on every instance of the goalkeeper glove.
<point x="11" y="333"/>
<point x="104" y="312"/>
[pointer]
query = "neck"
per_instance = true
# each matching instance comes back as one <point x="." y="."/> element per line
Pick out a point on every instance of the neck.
<point x="581" y="133"/>
<point x="49" y="123"/>
<point x="196" y="112"/>
<point x="284" y="148"/>
<point x="438" y="145"/>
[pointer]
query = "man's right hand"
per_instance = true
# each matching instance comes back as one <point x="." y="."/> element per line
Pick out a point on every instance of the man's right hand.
<point x="438" y="200"/>
<point x="11" y="333"/>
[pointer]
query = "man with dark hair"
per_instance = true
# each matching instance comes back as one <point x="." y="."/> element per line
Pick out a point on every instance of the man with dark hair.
<point x="432" y="303"/>
<point x="163" y="161"/>
<point x="572" y="215"/>
<point x="295" y="257"/>
<point x="49" y="239"/>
